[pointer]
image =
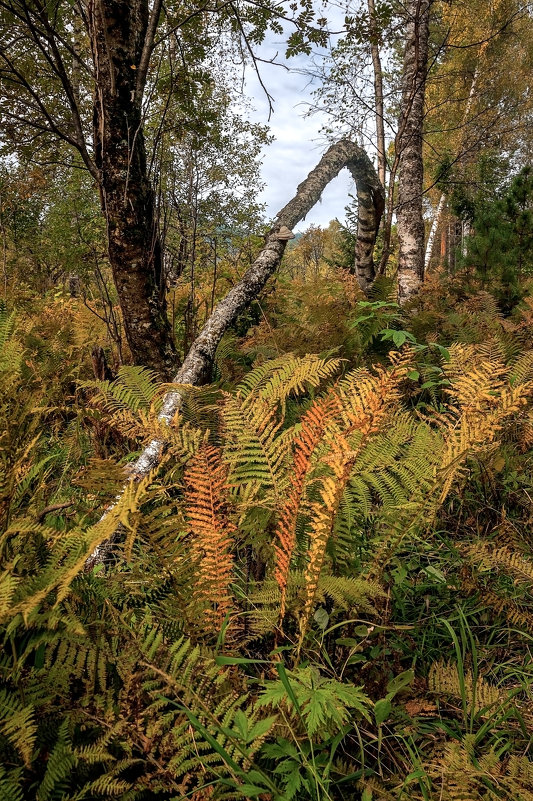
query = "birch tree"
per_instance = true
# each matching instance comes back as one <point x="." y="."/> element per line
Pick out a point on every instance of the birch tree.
<point x="409" y="145"/>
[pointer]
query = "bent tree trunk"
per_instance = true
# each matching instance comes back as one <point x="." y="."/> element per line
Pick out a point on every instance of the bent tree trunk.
<point x="198" y="362"/>
<point x="120" y="34"/>
<point x="370" y="208"/>
<point x="411" y="233"/>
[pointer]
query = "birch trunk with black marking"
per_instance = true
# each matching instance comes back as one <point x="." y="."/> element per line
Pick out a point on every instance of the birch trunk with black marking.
<point x="197" y="365"/>
<point x="378" y="93"/>
<point x="370" y="208"/>
<point x="409" y="213"/>
<point x="48" y="80"/>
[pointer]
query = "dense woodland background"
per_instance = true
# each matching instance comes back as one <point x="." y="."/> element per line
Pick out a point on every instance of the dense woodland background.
<point x="266" y="499"/>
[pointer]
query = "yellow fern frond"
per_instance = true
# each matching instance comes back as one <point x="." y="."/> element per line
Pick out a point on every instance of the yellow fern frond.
<point x="481" y="696"/>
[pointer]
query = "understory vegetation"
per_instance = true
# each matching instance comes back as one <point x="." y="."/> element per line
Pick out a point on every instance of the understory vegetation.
<point x="266" y="490"/>
<point x="324" y="590"/>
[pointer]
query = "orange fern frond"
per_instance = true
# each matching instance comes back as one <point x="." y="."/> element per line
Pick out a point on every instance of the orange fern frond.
<point x="364" y="403"/>
<point x="313" y="426"/>
<point x="365" y="398"/>
<point x="211" y="530"/>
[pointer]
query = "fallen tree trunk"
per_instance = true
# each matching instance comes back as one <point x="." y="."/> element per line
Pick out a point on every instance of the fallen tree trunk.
<point x="197" y="364"/>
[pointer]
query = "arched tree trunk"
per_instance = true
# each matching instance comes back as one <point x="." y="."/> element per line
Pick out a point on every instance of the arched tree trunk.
<point x="198" y="362"/>
<point x="411" y="232"/>
<point x="370" y="208"/>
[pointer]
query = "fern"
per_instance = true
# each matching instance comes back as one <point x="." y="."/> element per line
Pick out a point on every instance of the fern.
<point x="134" y="388"/>
<point x="277" y="379"/>
<point x="256" y="451"/>
<point x="311" y="432"/>
<point x="211" y="530"/>
<point x="17" y="724"/>
<point x="10" y="350"/>
<point x="480" y="695"/>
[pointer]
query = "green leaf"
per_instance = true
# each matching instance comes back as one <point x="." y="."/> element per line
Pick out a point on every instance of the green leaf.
<point x="238" y="660"/>
<point x="348" y="641"/>
<point x="321" y="618"/>
<point x="251" y="790"/>
<point x="261" y="728"/>
<point x="400" y="681"/>
<point x="382" y="710"/>
<point x="414" y="375"/>
<point x="241" y="723"/>
<point x="361" y="631"/>
<point x="432" y="571"/>
<point x="399" y="338"/>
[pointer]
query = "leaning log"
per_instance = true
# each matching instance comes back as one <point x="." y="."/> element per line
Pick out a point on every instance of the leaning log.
<point x="197" y="364"/>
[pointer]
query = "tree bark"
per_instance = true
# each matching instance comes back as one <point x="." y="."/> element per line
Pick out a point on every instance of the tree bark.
<point x="119" y="31"/>
<point x="378" y="93"/>
<point x="199" y="360"/>
<point x="410" y="220"/>
<point x="442" y="201"/>
<point x="370" y="208"/>
<point x="433" y="232"/>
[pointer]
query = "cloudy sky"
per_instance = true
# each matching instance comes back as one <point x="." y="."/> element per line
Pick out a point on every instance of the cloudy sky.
<point x="298" y="144"/>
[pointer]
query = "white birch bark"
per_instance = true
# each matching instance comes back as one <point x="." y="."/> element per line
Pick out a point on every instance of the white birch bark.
<point x="410" y="220"/>
<point x="433" y="231"/>
<point x="440" y="208"/>
<point x="378" y="94"/>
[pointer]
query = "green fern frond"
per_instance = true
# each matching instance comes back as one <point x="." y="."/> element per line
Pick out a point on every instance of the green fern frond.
<point x="17" y="724"/>
<point x="134" y="388"/>
<point x="256" y="448"/>
<point x="275" y="380"/>
<point x="10" y="349"/>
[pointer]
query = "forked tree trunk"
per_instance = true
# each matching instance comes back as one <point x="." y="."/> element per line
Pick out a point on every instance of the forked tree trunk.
<point x="119" y="31"/>
<point x="411" y="233"/>
<point x="199" y="360"/>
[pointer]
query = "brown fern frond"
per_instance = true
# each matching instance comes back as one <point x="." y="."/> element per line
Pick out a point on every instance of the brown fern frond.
<point x="515" y="613"/>
<point x="503" y="559"/>
<point x="480" y="695"/>
<point x="211" y="531"/>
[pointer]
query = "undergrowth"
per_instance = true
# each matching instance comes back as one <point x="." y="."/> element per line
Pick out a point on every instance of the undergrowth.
<point x="324" y="590"/>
